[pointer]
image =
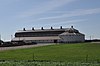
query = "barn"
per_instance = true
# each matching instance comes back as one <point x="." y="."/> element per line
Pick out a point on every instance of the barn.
<point x="64" y="35"/>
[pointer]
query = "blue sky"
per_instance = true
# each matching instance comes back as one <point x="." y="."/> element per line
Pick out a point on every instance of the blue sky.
<point x="84" y="15"/>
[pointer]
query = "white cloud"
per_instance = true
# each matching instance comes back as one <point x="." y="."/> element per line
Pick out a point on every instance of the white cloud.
<point x="62" y="18"/>
<point x="44" y="7"/>
<point x="78" y="12"/>
<point x="66" y="22"/>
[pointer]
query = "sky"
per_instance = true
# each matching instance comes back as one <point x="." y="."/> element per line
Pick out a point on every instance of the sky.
<point x="15" y="15"/>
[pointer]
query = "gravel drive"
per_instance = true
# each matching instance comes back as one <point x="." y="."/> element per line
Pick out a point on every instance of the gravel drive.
<point x="24" y="46"/>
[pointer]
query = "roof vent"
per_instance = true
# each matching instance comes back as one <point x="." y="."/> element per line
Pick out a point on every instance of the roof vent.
<point x="32" y="28"/>
<point x="61" y="27"/>
<point x="24" y="29"/>
<point x="42" y="28"/>
<point x="71" y="26"/>
<point x="51" y="28"/>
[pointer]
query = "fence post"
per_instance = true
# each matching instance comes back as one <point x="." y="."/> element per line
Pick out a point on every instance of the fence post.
<point x="86" y="58"/>
<point x="33" y="57"/>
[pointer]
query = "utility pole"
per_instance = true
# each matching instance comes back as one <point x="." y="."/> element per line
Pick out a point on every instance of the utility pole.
<point x="0" y="39"/>
<point x="11" y="37"/>
<point x="90" y="37"/>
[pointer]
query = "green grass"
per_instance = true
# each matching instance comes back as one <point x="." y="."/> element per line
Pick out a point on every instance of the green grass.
<point x="80" y="52"/>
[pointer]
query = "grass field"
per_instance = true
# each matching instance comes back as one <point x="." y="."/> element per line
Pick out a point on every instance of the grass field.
<point x="80" y="52"/>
